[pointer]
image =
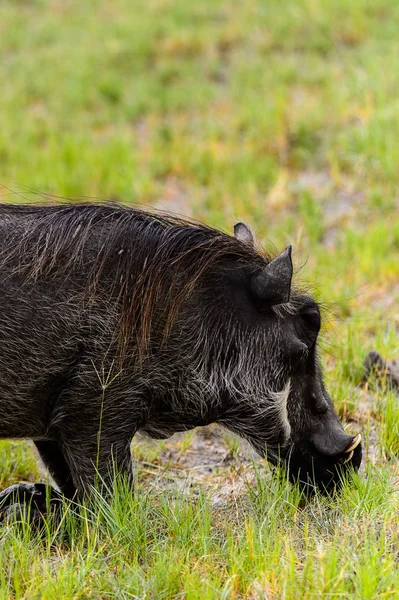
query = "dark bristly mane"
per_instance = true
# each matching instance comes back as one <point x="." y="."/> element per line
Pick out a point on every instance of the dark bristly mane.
<point x="142" y="260"/>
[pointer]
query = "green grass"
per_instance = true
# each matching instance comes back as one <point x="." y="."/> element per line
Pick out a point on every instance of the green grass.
<point x="171" y="545"/>
<point x="283" y="115"/>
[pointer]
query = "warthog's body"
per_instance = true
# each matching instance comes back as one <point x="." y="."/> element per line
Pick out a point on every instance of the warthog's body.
<point x="113" y="321"/>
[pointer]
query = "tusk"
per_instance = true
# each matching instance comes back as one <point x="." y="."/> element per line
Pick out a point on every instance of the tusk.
<point x="347" y="458"/>
<point x="354" y="443"/>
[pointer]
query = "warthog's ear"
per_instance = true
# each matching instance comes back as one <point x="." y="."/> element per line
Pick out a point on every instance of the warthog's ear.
<point x="273" y="283"/>
<point x="243" y="233"/>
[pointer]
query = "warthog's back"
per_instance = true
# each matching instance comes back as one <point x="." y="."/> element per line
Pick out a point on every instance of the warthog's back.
<point x="84" y="280"/>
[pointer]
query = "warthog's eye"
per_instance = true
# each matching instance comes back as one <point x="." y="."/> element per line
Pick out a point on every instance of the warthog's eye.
<point x="308" y="324"/>
<point x="312" y="319"/>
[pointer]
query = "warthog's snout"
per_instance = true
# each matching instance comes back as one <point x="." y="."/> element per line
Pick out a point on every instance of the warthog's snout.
<point x="315" y="467"/>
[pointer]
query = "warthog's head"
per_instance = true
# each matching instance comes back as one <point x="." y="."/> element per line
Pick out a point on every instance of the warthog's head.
<point x="298" y="426"/>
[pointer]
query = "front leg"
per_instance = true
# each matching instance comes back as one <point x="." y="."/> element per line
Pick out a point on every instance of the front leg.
<point x="94" y="423"/>
<point x="93" y="464"/>
<point x="94" y="460"/>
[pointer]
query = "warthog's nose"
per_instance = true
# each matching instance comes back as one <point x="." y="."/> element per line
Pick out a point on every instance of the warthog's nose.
<point x="330" y="440"/>
<point x="349" y="452"/>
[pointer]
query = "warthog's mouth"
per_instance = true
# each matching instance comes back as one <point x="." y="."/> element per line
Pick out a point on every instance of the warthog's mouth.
<point x="350" y="451"/>
<point x="313" y="469"/>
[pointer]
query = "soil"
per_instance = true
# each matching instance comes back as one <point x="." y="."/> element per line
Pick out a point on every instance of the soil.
<point x="200" y="458"/>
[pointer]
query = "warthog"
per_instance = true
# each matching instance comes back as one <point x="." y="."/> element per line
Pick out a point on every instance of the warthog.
<point x="114" y="320"/>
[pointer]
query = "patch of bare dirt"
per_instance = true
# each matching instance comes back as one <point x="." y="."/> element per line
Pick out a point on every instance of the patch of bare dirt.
<point x="204" y="459"/>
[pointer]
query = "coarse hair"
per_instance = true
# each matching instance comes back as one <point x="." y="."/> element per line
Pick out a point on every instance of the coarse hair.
<point x="149" y="262"/>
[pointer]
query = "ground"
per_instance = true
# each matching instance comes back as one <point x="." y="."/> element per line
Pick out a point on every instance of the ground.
<point x="282" y="115"/>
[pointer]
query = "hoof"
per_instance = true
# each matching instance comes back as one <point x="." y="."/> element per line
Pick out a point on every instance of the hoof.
<point x="32" y="501"/>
